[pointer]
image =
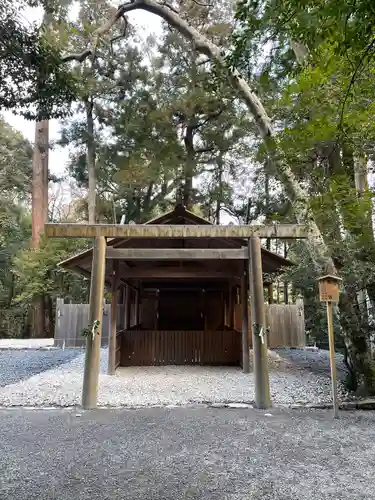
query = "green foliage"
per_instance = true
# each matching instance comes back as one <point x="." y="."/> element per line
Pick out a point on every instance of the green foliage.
<point x="303" y="275"/>
<point x="34" y="80"/>
<point x="312" y="64"/>
<point x="328" y="46"/>
<point x="39" y="274"/>
<point x="161" y="125"/>
<point x="15" y="223"/>
<point x="91" y="330"/>
<point x="15" y="164"/>
<point x="15" y="230"/>
<point x="26" y="273"/>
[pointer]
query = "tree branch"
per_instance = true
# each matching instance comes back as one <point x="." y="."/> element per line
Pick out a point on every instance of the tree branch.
<point x="203" y="4"/>
<point x="77" y="57"/>
<point x="207" y="149"/>
<point x="158" y="197"/>
<point x="296" y="193"/>
<point x="204" y="61"/>
<point x="211" y="116"/>
<point x="352" y="81"/>
<point x="201" y="44"/>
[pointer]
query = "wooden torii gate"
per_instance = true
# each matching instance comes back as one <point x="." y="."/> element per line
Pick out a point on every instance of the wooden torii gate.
<point x="253" y="233"/>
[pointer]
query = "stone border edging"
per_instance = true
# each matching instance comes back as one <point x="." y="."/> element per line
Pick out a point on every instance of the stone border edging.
<point x="366" y="404"/>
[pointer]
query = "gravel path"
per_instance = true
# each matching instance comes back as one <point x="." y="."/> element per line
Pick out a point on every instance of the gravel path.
<point x="147" y="386"/>
<point x="317" y="362"/>
<point x="186" y="454"/>
<point x="17" y="365"/>
<point x="26" y="343"/>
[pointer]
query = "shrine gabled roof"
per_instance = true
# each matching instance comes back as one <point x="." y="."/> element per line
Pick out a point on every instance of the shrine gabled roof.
<point x="81" y="262"/>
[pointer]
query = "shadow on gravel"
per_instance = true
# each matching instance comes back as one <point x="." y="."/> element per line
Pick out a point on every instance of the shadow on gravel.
<point x="17" y="365"/>
<point x="316" y="362"/>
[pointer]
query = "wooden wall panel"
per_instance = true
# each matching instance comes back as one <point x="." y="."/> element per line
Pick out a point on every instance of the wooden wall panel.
<point x="149" y="308"/>
<point x="214" y="310"/>
<point x="180" y="348"/>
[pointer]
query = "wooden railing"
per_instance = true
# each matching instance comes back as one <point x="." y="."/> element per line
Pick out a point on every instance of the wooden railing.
<point x="139" y="347"/>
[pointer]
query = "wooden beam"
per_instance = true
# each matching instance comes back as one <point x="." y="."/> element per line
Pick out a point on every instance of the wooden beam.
<point x="123" y="303"/>
<point x="231" y="297"/>
<point x="245" y="325"/>
<point x="190" y="285"/>
<point x="67" y="230"/>
<point x="93" y="341"/>
<point x="83" y="272"/>
<point x="176" y="253"/>
<point x="258" y="327"/>
<point x="137" y="306"/>
<point x="164" y="273"/>
<point x="270" y="293"/>
<point x="113" y="329"/>
<point x="127" y="307"/>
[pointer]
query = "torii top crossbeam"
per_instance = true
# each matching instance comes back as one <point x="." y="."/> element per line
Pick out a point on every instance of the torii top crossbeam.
<point x="67" y="230"/>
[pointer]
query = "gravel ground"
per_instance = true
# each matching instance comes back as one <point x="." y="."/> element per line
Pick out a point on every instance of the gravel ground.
<point x="26" y="343"/>
<point x="169" y="385"/>
<point x="17" y="365"/>
<point x="179" y="454"/>
<point x="317" y="362"/>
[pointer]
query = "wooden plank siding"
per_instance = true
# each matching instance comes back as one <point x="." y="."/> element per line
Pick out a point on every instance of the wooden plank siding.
<point x="285" y="323"/>
<point x="71" y="319"/>
<point x="118" y="349"/>
<point x="153" y="347"/>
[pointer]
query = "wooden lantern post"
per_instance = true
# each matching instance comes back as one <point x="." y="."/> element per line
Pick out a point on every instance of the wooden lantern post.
<point x="329" y="292"/>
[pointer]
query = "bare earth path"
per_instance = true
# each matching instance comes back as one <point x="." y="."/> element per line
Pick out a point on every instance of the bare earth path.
<point x="172" y="454"/>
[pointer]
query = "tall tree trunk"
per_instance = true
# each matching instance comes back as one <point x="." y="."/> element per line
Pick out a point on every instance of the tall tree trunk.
<point x="298" y="196"/>
<point x="332" y="225"/>
<point x="353" y="308"/>
<point x="147" y="202"/>
<point x="286" y="289"/>
<point x="348" y="162"/>
<point x="39" y="195"/>
<point x="189" y="167"/>
<point x="219" y="199"/>
<point x="163" y="204"/>
<point x="361" y="185"/>
<point x="39" y="212"/>
<point x="190" y="164"/>
<point x="50" y="323"/>
<point x="90" y="154"/>
<point x="267" y="202"/>
<point x="360" y="175"/>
